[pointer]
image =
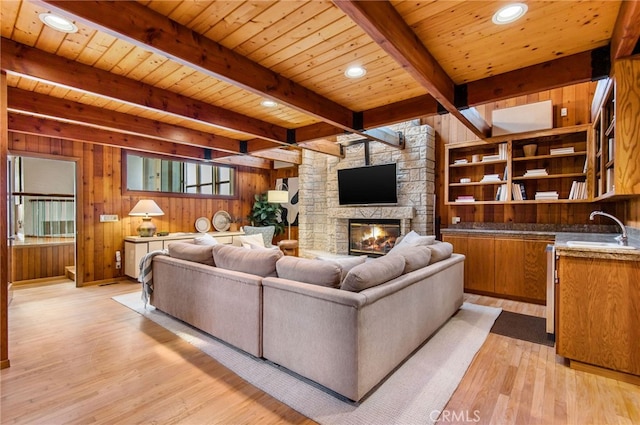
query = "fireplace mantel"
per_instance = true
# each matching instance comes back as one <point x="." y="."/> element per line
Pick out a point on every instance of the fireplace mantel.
<point x="394" y="212"/>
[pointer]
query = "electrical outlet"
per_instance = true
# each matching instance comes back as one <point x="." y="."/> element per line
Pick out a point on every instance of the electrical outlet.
<point x="455" y="220"/>
<point x="108" y="218"/>
<point x="563" y="112"/>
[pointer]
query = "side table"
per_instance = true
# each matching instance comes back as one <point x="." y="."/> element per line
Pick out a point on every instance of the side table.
<point x="289" y="246"/>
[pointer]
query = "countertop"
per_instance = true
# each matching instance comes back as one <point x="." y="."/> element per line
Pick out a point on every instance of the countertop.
<point x="561" y="234"/>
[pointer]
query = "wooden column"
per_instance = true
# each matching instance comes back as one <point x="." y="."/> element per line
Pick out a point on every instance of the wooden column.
<point x="4" y="251"/>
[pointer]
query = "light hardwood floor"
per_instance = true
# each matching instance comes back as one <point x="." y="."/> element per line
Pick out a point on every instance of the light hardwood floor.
<point x="79" y="357"/>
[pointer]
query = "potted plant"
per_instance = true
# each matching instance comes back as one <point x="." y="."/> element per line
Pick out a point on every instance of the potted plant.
<point x="234" y="224"/>
<point x="264" y="213"/>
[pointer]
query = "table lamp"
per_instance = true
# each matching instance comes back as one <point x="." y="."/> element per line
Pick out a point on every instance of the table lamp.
<point x="146" y="208"/>
<point x="279" y="196"/>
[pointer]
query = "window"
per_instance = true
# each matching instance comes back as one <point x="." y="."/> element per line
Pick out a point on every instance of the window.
<point x="157" y="174"/>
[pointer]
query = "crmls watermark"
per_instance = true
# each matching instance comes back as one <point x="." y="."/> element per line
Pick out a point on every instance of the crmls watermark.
<point x="457" y="417"/>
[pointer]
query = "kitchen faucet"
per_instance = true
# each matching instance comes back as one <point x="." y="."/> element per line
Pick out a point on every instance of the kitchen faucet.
<point x="622" y="239"/>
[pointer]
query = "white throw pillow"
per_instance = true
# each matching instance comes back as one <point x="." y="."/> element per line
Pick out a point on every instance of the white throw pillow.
<point x="413" y="239"/>
<point x="205" y="239"/>
<point x="252" y="241"/>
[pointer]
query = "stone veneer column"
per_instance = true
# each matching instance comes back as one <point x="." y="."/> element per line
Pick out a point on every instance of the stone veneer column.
<point x="322" y="227"/>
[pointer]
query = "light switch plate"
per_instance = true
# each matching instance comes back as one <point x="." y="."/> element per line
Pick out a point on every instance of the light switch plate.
<point x="108" y="218"/>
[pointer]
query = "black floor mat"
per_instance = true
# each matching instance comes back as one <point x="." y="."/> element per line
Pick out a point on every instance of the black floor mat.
<point x="522" y="326"/>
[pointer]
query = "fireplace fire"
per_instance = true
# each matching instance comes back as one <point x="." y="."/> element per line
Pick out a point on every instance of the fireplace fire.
<point x="372" y="237"/>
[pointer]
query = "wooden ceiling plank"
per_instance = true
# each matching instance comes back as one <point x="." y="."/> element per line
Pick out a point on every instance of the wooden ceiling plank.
<point x="43" y="127"/>
<point x="33" y="63"/>
<point x="150" y="30"/>
<point x="24" y="102"/>
<point x="560" y="72"/>
<point x="626" y="31"/>
<point x="387" y="28"/>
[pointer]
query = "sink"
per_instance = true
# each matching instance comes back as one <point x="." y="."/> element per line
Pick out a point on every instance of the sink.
<point x="598" y="245"/>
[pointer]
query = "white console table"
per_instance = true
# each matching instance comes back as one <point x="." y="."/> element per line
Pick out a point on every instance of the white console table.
<point x="136" y="247"/>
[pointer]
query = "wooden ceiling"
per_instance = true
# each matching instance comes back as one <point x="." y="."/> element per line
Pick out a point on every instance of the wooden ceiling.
<point x="187" y="77"/>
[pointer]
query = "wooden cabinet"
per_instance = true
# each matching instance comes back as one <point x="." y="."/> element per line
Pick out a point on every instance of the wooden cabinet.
<point x="136" y="247"/>
<point x="615" y="132"/>
<point x="520" y="168"/>
<point x="598" y="305"/>
<point x="509" y="267"/>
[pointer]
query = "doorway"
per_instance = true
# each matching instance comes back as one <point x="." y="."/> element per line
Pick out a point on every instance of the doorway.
<point x="42" y="220"/>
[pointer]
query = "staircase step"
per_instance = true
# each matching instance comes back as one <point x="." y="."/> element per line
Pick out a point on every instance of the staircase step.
<point x="70" y="272"/>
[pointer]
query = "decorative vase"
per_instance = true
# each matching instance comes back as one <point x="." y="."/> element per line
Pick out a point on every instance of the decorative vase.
<point x="530" y="150"/>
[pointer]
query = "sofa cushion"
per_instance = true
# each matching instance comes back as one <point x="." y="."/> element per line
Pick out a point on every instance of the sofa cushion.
<point x="413" y="239"/>
<point x="205" y="239"/>
<point x="415" y="257"/>
<point x="260" y="262"/>
<point x="440" y="251"/>
<point x="322" y="273"/>
<point x="251" y="241"/>
<point x="345" y="263"/>
<point x="191" y="252"/>
<point x="373" y="273"/>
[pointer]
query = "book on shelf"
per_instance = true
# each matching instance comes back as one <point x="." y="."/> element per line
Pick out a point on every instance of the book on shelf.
<point x="465" y="198"/>
<point x="586" y="165"/>
<point x="502" y="151"/>
<point x="502" y="194"/>
<point x="518" y="192"/>
<point x="578" y="190"/>
<point x="546" y="195"/>
<point x="461" y="161"/>
<point x="491" y="178"/>
<point x="487" y="158"/>
<point x="560" y="151"/>
<point x="536" y="172"/>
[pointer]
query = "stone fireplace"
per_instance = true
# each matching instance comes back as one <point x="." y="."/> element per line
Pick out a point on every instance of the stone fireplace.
<point x="372" y="237"/>
<point x="324" y="224"/>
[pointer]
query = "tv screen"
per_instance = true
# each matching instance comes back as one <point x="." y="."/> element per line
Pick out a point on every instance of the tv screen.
<point x="374" y="184"/>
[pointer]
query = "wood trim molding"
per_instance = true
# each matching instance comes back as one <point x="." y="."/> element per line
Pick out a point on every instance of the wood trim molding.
<point x="4" y="229"/>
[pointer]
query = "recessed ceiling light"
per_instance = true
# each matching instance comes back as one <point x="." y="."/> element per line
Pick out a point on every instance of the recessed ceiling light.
<point x="355" y="71"/>
<point x="268" y="103"/>
<point x="58" y="23"/>
<point x="509" y="13"/>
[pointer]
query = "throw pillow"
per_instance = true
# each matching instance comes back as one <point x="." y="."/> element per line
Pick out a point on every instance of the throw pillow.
<point x="373" y="273"/>
<point x="440" y="251"/>
<point x="413" y="239"/>
<point x="415" y="257"/>
<point x="345" y="263"/>
<point x="192" y="252"/>
<point x="322" y="273"/>
<point x="260" y="262"/>
<point x="205" y="239"/>
<point x="252" y="241"/>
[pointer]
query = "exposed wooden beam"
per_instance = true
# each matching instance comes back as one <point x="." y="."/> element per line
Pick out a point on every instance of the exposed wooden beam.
<point x="246" y="161"/>
<point x="278" y="154"/>
<point x="329" y="147"/>
<point x="36" y="64"/>
<point x="57" y="129"/>
<point x="626" y="31"/>
<point x="560" y="72"/>
<point x="44" y="106"/>
<point x="391" y="138"/>
<point x="404" y="110"/>
<point x="381" y="21"/>
<point x="153" y="31"/>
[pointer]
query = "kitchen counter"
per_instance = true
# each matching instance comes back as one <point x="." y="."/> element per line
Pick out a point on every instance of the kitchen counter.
<point x="562" y="248"/>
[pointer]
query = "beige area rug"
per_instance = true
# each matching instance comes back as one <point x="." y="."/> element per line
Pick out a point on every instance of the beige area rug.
<point x="415" y="393"/>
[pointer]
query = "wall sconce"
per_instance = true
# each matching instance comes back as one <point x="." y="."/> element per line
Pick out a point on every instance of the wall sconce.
<point x="146" y="209"/>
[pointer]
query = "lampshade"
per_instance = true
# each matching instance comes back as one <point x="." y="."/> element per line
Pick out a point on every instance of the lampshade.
<point x="146" y="208"/>
<point x="277" y="196"/>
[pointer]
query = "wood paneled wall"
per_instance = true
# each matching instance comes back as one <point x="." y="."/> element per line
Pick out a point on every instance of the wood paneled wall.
<point x="577" y="100"/>
<point x="41" y="261"/>
<point x="99" y="192"/>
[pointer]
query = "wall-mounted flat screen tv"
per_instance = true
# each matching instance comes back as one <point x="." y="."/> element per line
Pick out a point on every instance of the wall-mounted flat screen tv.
<point x="373" y="184"/>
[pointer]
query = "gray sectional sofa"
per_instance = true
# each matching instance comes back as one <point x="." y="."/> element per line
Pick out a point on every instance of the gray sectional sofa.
<point x="345" y="323"/>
